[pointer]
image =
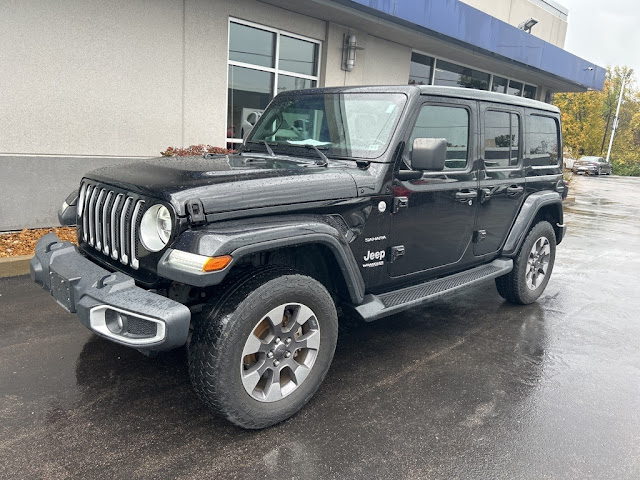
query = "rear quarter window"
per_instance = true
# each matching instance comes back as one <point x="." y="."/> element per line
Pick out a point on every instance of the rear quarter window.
<point x="543" y="140"/>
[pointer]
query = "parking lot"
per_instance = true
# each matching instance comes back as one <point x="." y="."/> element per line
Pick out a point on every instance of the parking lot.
<point x="469" y="387"/>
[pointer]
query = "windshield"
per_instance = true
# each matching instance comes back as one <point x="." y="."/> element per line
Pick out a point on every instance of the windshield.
<point x="344" y="124"/>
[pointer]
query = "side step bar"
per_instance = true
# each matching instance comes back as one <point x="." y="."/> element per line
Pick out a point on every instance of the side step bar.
<point x="377" y="306"/>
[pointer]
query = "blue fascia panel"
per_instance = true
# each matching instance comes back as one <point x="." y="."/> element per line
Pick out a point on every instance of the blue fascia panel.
<point x="479" y="31"/>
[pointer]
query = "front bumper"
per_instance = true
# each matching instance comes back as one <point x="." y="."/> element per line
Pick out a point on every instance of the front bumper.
<point x="109" y="304"/>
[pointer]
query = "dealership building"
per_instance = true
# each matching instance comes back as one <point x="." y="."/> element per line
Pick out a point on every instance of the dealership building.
<point x="88" y="82"/>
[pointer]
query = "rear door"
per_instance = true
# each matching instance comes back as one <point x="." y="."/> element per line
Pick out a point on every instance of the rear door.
<point x="435" y="214"/>
<point x="502" y="179"/>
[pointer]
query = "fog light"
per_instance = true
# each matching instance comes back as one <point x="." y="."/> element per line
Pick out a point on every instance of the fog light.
<point x="115" y="321"/>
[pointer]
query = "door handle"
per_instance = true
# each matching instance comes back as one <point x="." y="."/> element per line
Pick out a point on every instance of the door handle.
<point x="485" y="194"/>
<point x="514" y="190"/>
<point x="466" y="195"/>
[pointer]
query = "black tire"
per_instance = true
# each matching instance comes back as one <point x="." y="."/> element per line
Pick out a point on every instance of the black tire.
<point x="513" y="286"/>
<point x="222" y="331"/>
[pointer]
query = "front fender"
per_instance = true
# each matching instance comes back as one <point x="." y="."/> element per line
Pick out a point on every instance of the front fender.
<point x="530" y="208"/>
<point x="242" y="238"/>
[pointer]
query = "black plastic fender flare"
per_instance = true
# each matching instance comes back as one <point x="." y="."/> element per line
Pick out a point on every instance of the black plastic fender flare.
<point x="241" y="238"/>
<point x="530" y="208"/>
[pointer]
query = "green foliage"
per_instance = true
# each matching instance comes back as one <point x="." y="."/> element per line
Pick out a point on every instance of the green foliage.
<point x="587" y="121"/>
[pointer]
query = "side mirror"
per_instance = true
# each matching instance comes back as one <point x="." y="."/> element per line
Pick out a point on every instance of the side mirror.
<point x="429" y="154"/>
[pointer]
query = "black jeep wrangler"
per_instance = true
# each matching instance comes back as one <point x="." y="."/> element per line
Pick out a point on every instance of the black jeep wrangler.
<point x="371" y="199"/>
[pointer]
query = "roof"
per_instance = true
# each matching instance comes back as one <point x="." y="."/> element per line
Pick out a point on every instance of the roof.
<point x="455" y="92"/>
<point x="486" y="96"/>
<point x="460" y="24"/>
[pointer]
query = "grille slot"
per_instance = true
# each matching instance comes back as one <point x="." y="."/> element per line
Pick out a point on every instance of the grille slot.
<point x="110" y="222"/>
<point x="141" y="328"/>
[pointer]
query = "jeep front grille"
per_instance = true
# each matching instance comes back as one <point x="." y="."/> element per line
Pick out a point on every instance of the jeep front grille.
<point x="110" y="222"/>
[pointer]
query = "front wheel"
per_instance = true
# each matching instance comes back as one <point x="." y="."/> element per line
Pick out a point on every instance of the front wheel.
<point x="261" y="352"/>
<point x="532" y="267"/>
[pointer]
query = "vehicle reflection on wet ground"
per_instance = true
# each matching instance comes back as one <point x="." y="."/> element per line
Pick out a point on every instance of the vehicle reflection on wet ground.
<point x="468" y="387"/>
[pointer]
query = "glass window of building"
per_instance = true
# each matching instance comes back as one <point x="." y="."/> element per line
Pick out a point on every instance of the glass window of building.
<point x="499" y="84"/>
<point x="515" y="88"/>
<point x="451" y="123"/>
<point x="530" y="92"/>
<point x="452" y="75"/>
<point x="262" y="63"/>
<point x="542" y="140"/>
<point x="501" y="139"/>
<point x="420" y="70"/>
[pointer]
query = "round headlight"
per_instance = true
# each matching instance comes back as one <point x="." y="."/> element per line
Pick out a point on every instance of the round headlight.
<point x="155" y="228"/>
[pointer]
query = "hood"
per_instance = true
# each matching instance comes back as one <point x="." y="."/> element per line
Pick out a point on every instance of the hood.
<point x="228" y="183"/>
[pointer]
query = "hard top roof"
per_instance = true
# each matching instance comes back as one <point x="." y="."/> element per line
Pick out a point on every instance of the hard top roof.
<point x="455" y="92"/>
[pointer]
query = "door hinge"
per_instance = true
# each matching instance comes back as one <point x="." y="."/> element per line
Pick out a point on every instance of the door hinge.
<point x="396" y="252"/>
<point x="400" y="202"/>
<point x="479" y="235"/>
<point x="196" y="211"/>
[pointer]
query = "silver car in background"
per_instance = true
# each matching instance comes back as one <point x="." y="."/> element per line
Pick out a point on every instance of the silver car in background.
<point x="592" y="166"/>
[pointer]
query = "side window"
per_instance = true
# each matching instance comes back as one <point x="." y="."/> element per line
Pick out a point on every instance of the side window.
<point x="501" y="139"/>
<point x="543" y="138"/>
<point x="451" y="123"/>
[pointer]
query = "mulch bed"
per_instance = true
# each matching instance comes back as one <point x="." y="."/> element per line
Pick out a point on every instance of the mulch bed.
<point x="22" y="243"/>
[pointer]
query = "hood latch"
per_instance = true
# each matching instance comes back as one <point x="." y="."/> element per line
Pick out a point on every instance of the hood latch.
<point x="196" y="212"/>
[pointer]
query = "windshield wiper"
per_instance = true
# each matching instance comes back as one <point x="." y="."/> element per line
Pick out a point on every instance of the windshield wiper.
<point x="262" y="142"/>
<point x="324" y="161"/>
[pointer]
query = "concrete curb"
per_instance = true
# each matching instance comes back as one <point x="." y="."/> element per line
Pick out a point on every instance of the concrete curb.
<point x="14" y="266"/>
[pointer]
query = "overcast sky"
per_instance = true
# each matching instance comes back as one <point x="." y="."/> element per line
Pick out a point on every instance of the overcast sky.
<point x="605" y="32"/>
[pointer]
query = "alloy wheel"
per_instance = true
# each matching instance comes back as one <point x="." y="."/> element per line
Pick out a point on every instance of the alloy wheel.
<point x="538" y="263"/>
<point x="280" y="352"/>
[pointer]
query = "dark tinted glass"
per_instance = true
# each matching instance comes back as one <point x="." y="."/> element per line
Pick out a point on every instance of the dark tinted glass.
<point x="451" y="123"/>
<point x="298" y="56"/>
<point x="249" y="91"/>
<point x="251" y="45"/>
<point x="449" y="74"/>
<point x="501" y="138"/>
<point x="515" y="88"/>
<point x="420" y="70"/>
<point x="499" y="84"/>
<point x="530" y="92"/>
<point x="542" y="140"/>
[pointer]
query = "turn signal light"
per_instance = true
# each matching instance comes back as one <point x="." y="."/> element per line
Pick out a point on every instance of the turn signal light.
<point x="214" y="264"/>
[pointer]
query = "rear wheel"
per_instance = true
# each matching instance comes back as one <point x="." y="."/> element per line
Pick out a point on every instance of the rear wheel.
<point x="260" y="352"/>
<point x="532" y="266"/>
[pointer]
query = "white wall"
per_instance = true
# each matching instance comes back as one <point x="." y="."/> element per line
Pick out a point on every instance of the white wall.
<point x="381" y="62"/>
<point x="120" y="77"/>
<point x="552" y="26"/>
<point x="90" y="77"/>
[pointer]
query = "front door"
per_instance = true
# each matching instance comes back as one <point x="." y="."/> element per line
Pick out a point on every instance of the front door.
<point x="435" y="214"/>
<point x="502" y="180"/>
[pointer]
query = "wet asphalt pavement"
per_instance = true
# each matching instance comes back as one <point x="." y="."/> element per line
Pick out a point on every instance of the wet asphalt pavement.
<point x="470" y="387"/>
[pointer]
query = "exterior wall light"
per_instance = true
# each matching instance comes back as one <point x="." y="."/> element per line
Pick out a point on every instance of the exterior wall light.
<point x="527" y="25"/>
<point x="349" y="48"/>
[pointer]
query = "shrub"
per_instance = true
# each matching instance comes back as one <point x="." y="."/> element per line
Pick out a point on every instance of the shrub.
<point x="195" y="150"/>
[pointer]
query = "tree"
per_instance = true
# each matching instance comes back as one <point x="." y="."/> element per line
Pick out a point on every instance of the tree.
<point x="582" y="122"/>
<point x="587" y="121"/>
